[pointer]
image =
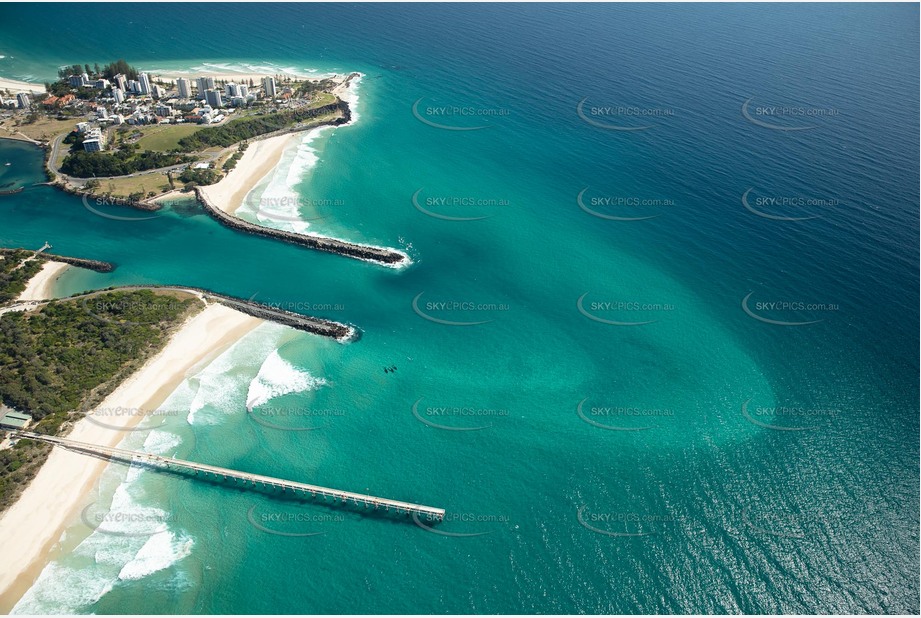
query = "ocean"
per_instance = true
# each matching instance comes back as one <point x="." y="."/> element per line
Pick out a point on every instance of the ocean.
<point x="657" y="350"/>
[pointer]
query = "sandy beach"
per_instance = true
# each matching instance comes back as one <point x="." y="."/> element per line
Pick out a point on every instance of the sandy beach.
<point x="15" y="86"/>
<point x="260" y="158"/>
<point x="32" y="527"/>
<point x="41" y="285"/>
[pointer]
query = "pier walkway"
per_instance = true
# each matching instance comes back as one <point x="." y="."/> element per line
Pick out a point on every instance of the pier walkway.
<point x="253" y="480"/>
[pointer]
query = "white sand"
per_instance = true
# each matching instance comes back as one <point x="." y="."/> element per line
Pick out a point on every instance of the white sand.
<point x="16" y="86"/>
<point x="41" y="285"/>
<point x="257" y="162"/>
<point x="31" y="528"/>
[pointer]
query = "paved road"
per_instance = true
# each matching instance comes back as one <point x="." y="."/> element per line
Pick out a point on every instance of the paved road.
<point x="56" y="146"/>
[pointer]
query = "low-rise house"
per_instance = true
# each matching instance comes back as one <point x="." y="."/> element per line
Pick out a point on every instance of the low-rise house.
<point x="11" y="419"/>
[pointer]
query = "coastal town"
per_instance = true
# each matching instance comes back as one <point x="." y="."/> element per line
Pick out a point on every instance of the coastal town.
<point x="128" y="134"/>
<point x="155" y="137"/>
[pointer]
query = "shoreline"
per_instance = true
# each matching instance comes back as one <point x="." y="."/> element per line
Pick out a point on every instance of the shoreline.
<point x="223" y="199"/>
<point x="16" y="86"/>
<point x="259" y="160"/>
<point x="171" y="75"/>
<point x="263" y="155"/>
<point x="31" y="529"/>
<point x="41" y="286"/>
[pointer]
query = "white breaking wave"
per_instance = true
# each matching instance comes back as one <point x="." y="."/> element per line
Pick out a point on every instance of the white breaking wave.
<point x="280" y="190"/>
<point x="161" y="551"/>
<point x="278" y="377"/>
<point x="351" y="96"/>
<point x="284" y="212"/>
<point x="62" y="590"/>
<point x="220" y="388"/>
<point x="161" y="442"/>
<point x="129" y="541"/>
<point x="133" y="537"/>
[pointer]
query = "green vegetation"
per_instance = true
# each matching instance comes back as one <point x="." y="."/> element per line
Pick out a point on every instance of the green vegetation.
<point x="165" y="137"/>
<point x="17" y="467"/>
<point x="309" y="88"/>
<point x="68" y="355"/>
<point x="126" y="160"/>
<point x="125" y="186"/>
<point x="74" y="140"/>
<point x="119" y="66"/>
<point x="231" y="163"/>
<point x="192" y="177"/>
<point x="58" y="89"/>
<point x="241" y="129"/>
<point x="109" y="71"/>
<point x="13" y="278"/>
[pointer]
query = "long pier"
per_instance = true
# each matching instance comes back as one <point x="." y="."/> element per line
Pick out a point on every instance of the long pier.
<point x="254" y="480"/>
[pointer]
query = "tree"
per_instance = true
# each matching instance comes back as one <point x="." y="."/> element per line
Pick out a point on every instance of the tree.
<point x="96" y="69"/>
<point x="87" y="68"/>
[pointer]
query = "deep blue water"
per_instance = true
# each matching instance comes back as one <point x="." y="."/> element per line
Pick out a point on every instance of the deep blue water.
<point x="725" y="515"/>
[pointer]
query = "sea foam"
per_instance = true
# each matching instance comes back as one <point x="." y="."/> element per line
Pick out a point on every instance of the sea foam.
<point x="161" y="551"/>
<point x="221" y="387"/>
<point x="278" y="377"/>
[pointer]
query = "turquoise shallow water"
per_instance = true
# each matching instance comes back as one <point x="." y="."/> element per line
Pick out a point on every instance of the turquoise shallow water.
<point x="663" y="496"/>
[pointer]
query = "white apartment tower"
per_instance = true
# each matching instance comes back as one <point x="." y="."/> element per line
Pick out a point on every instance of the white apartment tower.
<point x="268" y="85"/>
<point x="204" y="84"/>
<point x="185" y="88"/>
<point x="213" y="97"/>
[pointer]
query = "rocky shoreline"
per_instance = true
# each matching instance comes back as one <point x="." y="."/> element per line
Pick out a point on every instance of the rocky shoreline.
<point x="95" y="265"/>
<point x="317" y="326"/>
<point x="103" y="199"/>
<point x="369" y="253"/>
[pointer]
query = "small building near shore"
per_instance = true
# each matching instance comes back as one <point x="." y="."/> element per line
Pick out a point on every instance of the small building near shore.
<point x="11" y="419"/>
